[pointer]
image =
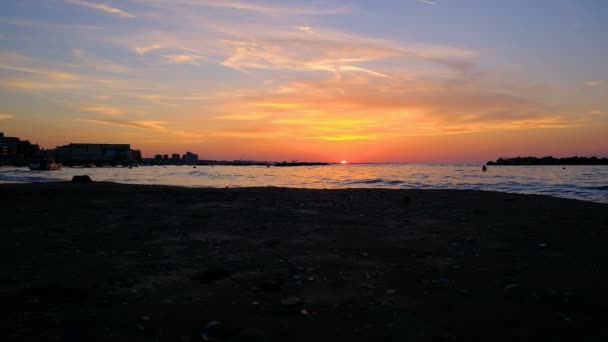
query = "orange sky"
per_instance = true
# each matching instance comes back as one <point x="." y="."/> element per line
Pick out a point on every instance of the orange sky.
<point x="270" y="81"/>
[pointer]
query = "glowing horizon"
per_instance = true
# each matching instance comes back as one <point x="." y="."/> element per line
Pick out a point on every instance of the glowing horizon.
<point x="401" y="81"/>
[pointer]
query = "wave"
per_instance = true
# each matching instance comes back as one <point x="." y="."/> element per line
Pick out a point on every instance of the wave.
<point x="29" y="179"/>
<point x="373" y="181"/>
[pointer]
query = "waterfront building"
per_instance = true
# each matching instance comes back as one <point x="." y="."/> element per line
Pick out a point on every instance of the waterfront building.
<point x="13" y="149"/>
<point x="104" y="154"/>
<point x="190" y="158"/>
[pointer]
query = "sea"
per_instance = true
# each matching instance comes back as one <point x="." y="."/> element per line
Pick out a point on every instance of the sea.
<point x="587" y="183"/>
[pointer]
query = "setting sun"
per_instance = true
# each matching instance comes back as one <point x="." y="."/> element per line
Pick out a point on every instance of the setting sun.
<point x="344" y="162"/>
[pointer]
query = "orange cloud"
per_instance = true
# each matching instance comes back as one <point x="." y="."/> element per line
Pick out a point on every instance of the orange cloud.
<point x="102" y="7"/>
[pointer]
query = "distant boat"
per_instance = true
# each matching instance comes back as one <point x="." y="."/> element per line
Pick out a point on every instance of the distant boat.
<point x="45" y="165"/>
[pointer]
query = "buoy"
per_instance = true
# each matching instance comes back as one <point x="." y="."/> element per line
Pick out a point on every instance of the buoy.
<point x="484" y="168"/>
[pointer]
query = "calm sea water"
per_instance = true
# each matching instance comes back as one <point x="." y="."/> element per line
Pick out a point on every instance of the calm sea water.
<point x="589" y="183"/>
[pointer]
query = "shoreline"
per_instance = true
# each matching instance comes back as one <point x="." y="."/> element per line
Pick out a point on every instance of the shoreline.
<point x="109" y="261"/>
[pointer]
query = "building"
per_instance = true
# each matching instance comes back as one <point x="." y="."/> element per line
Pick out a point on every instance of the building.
<point x="175" y="158"/>
<point x="13" y="150"/>
<point x="101" y="154"/>
<point x="190" y="158"/>
<point x="136" y="156"/>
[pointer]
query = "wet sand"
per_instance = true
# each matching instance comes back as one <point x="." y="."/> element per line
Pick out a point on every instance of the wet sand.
<point x="103" y="261"/>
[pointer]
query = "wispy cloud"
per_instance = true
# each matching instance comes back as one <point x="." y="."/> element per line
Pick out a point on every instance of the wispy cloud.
<point x="182" y="59"/>
<point x="145" y="49"/>
<point x="426" y="2"/>
<point x="305" y="28"/>
<point x="6" y="116"/>
<point x="102" y="7"/>
<point x="149" y="125"/>
<point x="52" y="74"/>
<point x="90" y="61"/>
<point x="102" y="109"/>
<point x="258" y="7"/>
<point x="594" y="83"/>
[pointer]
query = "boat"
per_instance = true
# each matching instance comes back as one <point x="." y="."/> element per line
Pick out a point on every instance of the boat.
<point x="45" y="165"/>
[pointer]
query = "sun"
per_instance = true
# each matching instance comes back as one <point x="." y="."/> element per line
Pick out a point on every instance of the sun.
<point x="344" y="162"/>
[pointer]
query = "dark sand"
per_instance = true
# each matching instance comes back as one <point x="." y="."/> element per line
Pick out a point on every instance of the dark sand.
<point x="96" y="262"/>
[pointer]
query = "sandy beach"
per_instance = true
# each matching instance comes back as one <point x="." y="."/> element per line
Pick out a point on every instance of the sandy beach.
<point x="104" y="261"/>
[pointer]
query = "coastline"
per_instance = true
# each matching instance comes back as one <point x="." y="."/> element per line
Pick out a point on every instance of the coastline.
<point x="106" y="261"/>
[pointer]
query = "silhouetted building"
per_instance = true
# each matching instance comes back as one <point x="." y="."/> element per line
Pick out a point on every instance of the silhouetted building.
<point x="190" y="158"/>
<point x="136" y="156"/>
<point x="165" y="157"/>
<point x="175" y="158"/>
<point x="96" y="154"/>
<point x="13" y="149"/>
<point x="158" y="157"/>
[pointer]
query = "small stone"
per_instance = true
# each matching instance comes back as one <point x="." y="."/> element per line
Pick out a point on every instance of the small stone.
<point x="291" y="301"/>
<point x="391" y="292"/>
<point x="140" y="327"/>
<point x="215" y="331"/>
<point x="542" y="245"/>
<point x="304" y="312"/>
<point x="512" y="287"/>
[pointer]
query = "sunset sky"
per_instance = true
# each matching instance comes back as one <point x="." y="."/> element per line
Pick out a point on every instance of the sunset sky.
<point x="364" y="81"/>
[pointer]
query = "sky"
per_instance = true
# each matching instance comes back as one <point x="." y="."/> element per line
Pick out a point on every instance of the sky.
<point x="364" y="81"/>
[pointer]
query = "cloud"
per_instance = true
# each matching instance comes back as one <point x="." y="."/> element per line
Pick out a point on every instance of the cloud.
<point x="305" y="28"/>
<point x="326" y="50"/>
<point x="182" y="59"/>
<point x="102" y="7"/>
<point x="594" y="83"/>
<point x="357" y="107"/>
<point x="6" y="116"/>
<point x="52" y="74"/>
<point x="427" y="2"/>
<point x="171" y="97"/>
<point x="102" y="109"/>
<point x="245" y="117"/>
<point x="91" y="61"/>
<point x="257" y="7"/>
<point x="149" y="125"/>
<point x="145" y="49"/>
<point x="305" y="54"/>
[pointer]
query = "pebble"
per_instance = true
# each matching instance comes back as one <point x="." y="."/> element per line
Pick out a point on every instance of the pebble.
<point x="291" y="301"/>
<point x="391" y="292"/>
<point x="304" y="312"/>
<point x="512" y="287"/>
<point x="215" y="331"/>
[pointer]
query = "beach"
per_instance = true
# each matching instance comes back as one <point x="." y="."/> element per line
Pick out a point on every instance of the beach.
<point x="107" y="261"/>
